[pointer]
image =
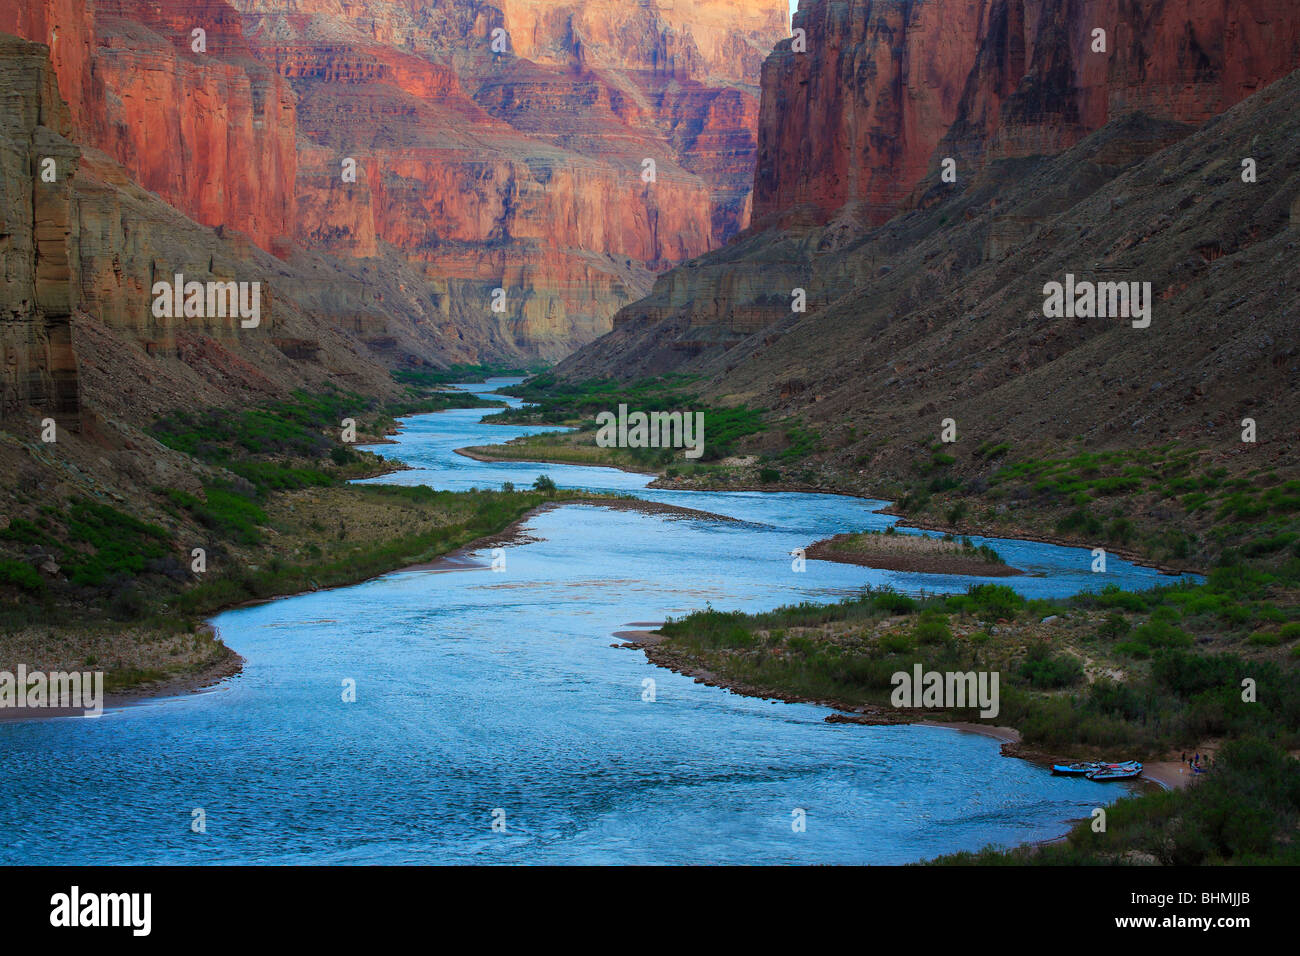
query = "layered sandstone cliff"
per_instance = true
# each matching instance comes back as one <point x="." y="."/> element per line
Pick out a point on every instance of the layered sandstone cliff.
<point x="37" y="166"/>
<point x="512" y="160"/>
<point x="505" y="146"/>
<point x="82" y="245"/>
<point x="211" y="132"/>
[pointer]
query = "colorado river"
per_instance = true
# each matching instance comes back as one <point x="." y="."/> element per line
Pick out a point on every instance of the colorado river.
<point x="481" y="691"/>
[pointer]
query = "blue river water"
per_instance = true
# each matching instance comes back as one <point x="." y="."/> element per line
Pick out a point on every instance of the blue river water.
<point x="489" y="697"/>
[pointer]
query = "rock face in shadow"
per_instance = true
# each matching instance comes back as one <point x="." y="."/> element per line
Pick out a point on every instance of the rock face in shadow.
<point x="855" y="130"/>
<point x="37" y="166"/>
<point x="925" y="296"/>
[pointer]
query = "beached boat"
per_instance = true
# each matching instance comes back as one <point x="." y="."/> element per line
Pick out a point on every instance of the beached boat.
<point x="1124" y="771"/>
<point x="1089" y="767"/>
<point x="1075" y="769"/>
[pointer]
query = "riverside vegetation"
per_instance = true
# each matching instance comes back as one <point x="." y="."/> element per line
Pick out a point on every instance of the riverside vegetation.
<point x="575" y="406"/>
<point x="1144" y="674"/>
<point x="114" y="586"/>
<point x="1176" y="504"/>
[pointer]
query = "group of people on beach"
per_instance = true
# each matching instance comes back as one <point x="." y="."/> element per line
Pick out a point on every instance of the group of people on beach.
<point x="1195" y="763"/>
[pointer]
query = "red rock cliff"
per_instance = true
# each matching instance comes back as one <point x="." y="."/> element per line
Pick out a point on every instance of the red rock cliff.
<point x="211" y="132"/>
<point x="883" y="84"/>
<point x="520" y="168"/>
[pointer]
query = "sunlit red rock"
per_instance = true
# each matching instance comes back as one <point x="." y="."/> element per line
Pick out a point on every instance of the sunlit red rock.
<point x="887" y="87"/>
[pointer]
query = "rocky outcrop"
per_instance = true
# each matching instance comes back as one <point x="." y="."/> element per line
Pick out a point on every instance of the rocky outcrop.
<point x="853" y="131"/>
<point x="926" y="318"/>
<point x="37" y="166"/>
<point x="467" y="157"/>
<point x="81" y="254"/>
<point x="921" y="295"/>
<point x="1045" y="76"/>
<point x="854" y="115"/>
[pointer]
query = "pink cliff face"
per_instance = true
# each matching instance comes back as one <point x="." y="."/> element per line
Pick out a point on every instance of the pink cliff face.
<point x="523" y="166"/>
<point x="467" y="157"/>
<point x="212" y="133"/>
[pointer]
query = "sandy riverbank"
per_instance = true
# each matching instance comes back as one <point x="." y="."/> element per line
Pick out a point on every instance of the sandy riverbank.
<point x="514" y="534"/>
<point x="473" y="452"/>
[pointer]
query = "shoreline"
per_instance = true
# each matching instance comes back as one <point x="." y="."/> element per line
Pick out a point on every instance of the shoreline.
<point x="231" y="664"/>
<point x="1133" y="557"/>
<point x="513" y="534"/>
<point x="468" y="452"/>
<point x="950" y="563"/>
<point x="662" y="483"/>
<point x="1163" y="773"/>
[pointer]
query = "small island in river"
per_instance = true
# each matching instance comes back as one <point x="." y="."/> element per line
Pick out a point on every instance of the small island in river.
<point x="889" y="550"/>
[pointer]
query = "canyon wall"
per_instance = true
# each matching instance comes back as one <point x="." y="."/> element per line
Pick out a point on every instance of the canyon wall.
<point x="210" y="132"/>
<point x="853" y="131"/>
<point x="504" y="146"/>
<point x="886" y="87"/>
<point x="37" y="165"/>
<point x="924" y="298"/>
<point x="82" y="245"/>
<point x="513" y="160"/>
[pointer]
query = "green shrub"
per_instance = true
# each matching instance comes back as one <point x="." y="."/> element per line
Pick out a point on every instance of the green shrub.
<point x="897" y="644"/>
<point x="932" y="629"/>
<point x="1114" y="627"/>
<point x="1047" y="671"/>
<point x="21" y="575"/>
<point x="1079" y="520"/>
<point x="893" y="603"/>
<point x="24" y="531"/>
<point x="996" y="600"/>
<point x="119" y="544"/>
